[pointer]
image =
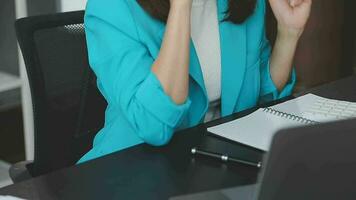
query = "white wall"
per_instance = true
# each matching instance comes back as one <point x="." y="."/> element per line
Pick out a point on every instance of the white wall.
<point x="71" y="5"/>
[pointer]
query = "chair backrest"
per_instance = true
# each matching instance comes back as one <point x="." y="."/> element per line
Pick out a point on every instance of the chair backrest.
<point x="68" y="108"/>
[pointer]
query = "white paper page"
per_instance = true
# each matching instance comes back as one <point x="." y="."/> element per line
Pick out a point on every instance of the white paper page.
<point x="256" y="129"/>
<point x="299" y="105"/>
<point x="9" y="198"/>
<point x="318" y="108"/>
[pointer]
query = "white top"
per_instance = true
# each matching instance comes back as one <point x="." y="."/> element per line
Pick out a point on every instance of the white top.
<point x="206" y="39"/>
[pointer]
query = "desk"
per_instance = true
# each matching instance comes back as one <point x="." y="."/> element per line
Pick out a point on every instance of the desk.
<point x="145" y="172"/>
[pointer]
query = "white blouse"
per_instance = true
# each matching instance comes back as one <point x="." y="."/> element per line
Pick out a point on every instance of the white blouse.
<point x="206" y="39"/>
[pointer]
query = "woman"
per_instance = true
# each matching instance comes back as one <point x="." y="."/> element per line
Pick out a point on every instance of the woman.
<point x="165" y="65"/>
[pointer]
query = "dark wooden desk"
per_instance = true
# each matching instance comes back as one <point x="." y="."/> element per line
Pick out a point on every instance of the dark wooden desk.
<point x="145" y="172"/>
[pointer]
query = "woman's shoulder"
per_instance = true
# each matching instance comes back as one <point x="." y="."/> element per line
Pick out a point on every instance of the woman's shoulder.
<point x="126" y="16"/>
<point x="116" y="13"/>
<point x="108" y="9"/>
<point x="258" y="17"/>
<point x="261" y="5"/>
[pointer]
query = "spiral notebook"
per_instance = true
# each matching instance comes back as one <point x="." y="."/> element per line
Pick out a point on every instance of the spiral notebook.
<point x="257" y="129"/>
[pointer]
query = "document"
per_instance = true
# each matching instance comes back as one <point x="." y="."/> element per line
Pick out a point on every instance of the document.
<point x="257" y="129"/>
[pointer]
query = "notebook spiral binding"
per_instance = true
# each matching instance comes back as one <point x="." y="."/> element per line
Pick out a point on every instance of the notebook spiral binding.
<point x="289" y="116"/>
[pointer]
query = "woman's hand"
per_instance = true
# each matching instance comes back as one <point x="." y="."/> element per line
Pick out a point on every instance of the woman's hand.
<point x="292" y="15"/>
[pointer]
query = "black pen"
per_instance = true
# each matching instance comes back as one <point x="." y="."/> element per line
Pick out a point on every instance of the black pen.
<point x="225" y="158"/>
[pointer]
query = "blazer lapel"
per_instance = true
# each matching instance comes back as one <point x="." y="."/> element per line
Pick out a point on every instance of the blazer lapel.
<point x="197" y="75"/>
<point x="194" y="68"/>
<point x="233" y="60"/>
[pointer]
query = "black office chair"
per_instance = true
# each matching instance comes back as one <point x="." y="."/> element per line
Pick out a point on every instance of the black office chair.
<point x="68" y="108"/>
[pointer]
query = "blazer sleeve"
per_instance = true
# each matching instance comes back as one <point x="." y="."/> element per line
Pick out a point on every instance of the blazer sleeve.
<point x="269" y="91"/>
<point x="122" y="65"/>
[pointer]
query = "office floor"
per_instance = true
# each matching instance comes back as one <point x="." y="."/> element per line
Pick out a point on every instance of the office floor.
<point x="12" y="148"/>
<point x="4" y="175"/>
<point x="11" y="141"/>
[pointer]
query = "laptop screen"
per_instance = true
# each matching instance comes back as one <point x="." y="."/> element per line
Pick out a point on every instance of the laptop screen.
<point x="314" y="162"/>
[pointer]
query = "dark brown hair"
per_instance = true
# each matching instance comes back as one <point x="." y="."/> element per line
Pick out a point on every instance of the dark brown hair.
<point x="238" y="11"/>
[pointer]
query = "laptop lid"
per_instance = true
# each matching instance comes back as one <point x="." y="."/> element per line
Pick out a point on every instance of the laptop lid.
<point x="314" y="162"/>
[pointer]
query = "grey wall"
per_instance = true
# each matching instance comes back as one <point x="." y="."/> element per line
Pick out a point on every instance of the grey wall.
<point x="38" y="7"/>
<point x="8" y="47"/>
<point x="8" y="43"/>
<point x="8" y="51"/>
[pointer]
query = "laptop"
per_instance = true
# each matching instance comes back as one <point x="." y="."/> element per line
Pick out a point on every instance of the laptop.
<point x="313" y="162"/>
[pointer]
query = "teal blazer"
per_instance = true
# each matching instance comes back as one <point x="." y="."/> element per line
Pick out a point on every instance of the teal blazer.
<point x="123" y="42"/>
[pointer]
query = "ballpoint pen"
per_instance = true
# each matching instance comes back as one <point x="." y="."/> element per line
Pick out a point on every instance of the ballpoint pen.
<point x="225" y="158"/>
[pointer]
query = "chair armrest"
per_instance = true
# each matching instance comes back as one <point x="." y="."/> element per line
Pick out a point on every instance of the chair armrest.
<point x="19" y="171"/>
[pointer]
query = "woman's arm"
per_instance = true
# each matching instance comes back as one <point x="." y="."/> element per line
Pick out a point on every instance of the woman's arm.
<point x="292" y="15"/>
<point x="123" y="66"/>
<point x="281" y="61"/>
<point x="172" y="64"/>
